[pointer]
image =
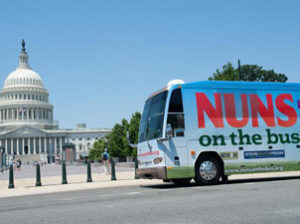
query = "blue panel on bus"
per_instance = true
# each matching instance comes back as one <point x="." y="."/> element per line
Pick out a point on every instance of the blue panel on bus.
<point x="264" y="154"/>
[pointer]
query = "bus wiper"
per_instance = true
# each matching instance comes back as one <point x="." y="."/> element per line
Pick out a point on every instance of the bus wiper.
<point x="147" y="129"/>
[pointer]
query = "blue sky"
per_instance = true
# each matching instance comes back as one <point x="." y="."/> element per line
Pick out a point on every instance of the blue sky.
<point x="100" y="60"/>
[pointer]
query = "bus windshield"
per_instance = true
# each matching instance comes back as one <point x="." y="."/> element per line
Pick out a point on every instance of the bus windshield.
<point x="153" y="117"/>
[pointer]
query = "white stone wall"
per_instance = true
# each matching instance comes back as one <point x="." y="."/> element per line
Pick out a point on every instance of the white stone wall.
<point x="84" y="141"/>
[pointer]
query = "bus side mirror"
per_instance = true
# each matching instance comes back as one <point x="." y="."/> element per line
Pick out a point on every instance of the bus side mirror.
<point x="129" y="141"/>
<point x="169" y="134"/>
<point x="169" y="131"/>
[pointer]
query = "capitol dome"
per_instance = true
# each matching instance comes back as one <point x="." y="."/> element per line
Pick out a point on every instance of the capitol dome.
<point x="23" y="77"/>
<point x="24" y="99"/>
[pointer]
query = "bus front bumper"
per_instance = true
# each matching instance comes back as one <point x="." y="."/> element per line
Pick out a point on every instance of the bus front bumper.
<point x="152" y="173"/>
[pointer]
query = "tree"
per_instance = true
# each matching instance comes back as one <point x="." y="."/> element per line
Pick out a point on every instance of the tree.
<point x="134" y="130"/>
<point x="248" y="73"/>
<point x="117" y="144"/>
<point x="97" y="150"/>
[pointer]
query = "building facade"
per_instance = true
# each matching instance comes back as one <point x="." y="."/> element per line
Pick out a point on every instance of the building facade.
<point x="27" y="129"/>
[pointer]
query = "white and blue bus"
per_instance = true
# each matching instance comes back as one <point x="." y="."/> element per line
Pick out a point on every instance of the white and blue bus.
<point x="211" y="129"/>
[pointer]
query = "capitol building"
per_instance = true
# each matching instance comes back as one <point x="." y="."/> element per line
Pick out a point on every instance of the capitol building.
<point x="27" y="129"/>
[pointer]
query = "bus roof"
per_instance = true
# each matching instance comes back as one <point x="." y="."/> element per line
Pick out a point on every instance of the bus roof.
<point x="212" y="84"/>
<point x="242" y="85"/>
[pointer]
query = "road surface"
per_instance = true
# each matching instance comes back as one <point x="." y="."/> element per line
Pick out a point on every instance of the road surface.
<point x="273" y="201"/>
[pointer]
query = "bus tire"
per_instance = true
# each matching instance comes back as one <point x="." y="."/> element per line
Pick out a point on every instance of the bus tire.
<point x="224" y="178"/>
<point x="207" y="170"/>
<point x="181" y="181"/>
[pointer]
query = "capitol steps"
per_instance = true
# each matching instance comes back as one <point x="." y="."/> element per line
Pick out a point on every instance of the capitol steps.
<point x="28" y="158"/>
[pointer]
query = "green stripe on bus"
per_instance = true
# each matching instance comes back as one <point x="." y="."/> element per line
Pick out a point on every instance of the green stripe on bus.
<point x="262" y="167"/>
<point x="180" y="172"/>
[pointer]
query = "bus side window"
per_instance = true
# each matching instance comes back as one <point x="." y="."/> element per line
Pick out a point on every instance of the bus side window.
<point x="175" y="113"/>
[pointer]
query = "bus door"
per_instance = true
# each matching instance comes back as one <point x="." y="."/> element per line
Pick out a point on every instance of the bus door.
<point x="176" y="147"/>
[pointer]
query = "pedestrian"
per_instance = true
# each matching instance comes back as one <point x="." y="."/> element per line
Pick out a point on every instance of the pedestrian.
<point x="18" y="165"/>
<point x="105" y="159"/>
<point x="19" y="162"/>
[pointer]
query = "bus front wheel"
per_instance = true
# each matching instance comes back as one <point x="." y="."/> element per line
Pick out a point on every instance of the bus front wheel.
<point x="207" y="171"/>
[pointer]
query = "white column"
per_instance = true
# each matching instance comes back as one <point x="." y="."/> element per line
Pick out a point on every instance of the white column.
<point x="12" y="145"/>
<point x="55" y="144"/>
<point x="60" y="145"/>
<point x="50" y="144"/>
<point x="34" y="146"/>
<point x="45" y="145"/>
<point x="18" y="145"/>
<point x="29" y="143"/>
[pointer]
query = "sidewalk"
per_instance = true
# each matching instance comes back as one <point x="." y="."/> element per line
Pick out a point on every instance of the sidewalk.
<point x="75" y="182"/>
<point x="100" y="180"/>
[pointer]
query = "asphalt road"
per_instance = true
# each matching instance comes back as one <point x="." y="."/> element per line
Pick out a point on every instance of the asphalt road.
<point x="265" y="201"/>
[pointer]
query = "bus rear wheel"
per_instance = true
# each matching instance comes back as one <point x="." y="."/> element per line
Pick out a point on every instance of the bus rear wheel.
<point x="207" y="171"/>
